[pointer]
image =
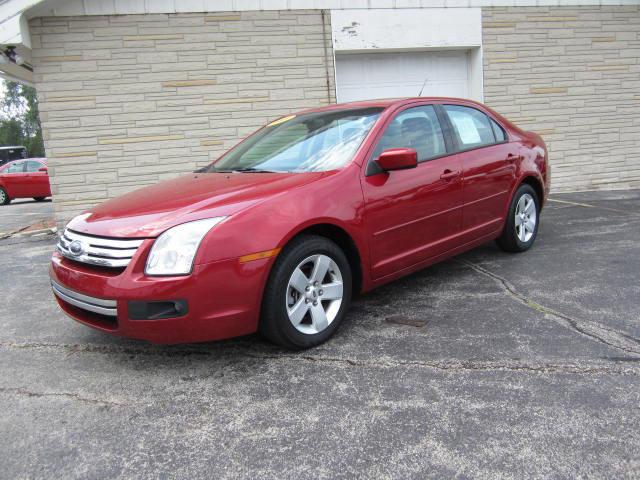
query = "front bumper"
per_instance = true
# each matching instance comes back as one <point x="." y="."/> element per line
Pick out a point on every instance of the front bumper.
<point x="223" y="298"/>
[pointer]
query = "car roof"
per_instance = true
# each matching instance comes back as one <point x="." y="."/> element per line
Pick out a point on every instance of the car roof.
<point x="386" y="103"/>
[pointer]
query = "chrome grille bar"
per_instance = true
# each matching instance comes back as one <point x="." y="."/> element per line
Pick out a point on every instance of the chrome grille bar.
<point x="105" y="252"/>
<point x="92" y="304"/>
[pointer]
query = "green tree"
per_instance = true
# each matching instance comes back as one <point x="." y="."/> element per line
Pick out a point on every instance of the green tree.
<point x="20" y="122"/>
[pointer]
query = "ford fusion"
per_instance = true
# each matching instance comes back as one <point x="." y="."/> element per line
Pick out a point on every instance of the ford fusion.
<point x="280" y="232"/>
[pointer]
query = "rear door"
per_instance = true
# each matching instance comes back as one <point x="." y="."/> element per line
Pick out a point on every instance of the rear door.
<point x="412" y="215"/>
<point x="489" y="165"/>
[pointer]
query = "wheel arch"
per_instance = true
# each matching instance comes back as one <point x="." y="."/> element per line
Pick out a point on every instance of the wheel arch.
<point x="343" y="239"/>
<point x="537" y="186"/>
<point x="6" y="191"/>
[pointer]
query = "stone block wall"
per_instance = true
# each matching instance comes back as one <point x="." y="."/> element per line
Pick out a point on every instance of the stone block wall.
<point x="129" y="100"/>
<point x="571" y="74"/>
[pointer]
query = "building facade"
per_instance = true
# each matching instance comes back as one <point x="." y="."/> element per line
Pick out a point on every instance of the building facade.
<point x="132" y="92"/>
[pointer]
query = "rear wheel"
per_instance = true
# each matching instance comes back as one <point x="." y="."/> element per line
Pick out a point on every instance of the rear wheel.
<point x="4" y="197"/>
<point x="39" y="199"/>
<point x="307" y="295"/>
<point x="521" y="227"/>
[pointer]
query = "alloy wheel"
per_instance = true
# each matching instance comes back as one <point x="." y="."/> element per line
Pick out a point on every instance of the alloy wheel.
<point x="314" y="294"/>
<point x="526" y="218"/>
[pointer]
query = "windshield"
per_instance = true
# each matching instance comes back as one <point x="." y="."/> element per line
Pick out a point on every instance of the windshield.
<point x="313" y="142"/>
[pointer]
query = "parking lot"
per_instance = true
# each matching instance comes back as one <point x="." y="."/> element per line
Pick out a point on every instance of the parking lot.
<point x="22" y="213"/>
<point x="520" y="366"/>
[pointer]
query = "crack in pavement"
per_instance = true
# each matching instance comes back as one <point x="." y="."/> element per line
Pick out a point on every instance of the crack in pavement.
<point x="107" y="349"/>
<point x="72" y="396"/>
<point x="466" y="365"/>
<point x="592" y="330"/>
<point x="621" y="365"/>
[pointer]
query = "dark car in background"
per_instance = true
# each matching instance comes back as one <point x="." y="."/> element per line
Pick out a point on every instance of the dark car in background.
<point x="8" y="154"/>
<point x="28" y="178"/>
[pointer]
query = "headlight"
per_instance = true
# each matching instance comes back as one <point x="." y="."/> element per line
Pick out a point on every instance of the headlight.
<point x="173" y="251"/>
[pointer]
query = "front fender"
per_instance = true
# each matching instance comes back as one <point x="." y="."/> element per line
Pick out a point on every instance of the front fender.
<point x="335" y="200"/>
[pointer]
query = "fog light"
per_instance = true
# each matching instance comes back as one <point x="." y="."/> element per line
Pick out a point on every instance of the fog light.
<point x="157" y="310"/>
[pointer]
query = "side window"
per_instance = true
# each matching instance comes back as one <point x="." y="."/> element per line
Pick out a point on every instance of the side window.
<point x="33" y="166"/>
<point x="472" y="127"/>
<point x="17" y="167"/>
<point x="416" y="128"/>
<point x="498" y="132"/>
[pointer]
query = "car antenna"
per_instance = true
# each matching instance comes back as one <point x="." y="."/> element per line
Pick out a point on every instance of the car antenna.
<point x="423" y="85"/>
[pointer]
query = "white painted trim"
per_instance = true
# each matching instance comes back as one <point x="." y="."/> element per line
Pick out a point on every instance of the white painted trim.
<point x="12" y="32"/>
<point x="14" y="14"/>
<point x="476" y="74"/>
<point x="406" y="29"/>
<point x="16" y="73"/>
<point x="122" y="7"/>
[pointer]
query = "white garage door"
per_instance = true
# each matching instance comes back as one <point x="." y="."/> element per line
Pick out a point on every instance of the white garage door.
<point x="386" y="75"/>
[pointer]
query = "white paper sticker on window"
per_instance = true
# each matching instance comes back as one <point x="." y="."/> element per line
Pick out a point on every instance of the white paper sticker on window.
<point x="466" y="127"/>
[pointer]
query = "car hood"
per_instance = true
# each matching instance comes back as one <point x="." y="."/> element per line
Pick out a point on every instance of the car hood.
<point x="150" y="211"/>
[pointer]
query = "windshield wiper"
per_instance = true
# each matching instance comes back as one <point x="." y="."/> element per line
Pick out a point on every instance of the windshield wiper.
<point x="254" y="170"/>
<point x="208" y="169"/>
<point x="213" y="170"/>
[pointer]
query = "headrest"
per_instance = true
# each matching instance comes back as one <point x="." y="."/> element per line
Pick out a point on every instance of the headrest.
<point x="417" y="124"/>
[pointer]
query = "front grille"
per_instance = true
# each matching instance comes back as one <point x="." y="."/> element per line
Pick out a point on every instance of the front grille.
<point x="105" y="252"/>
<point x="85" y="302"/>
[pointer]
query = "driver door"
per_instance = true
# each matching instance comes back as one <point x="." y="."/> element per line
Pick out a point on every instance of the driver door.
<point x="14" y="179"/>
<point x="416" y="214"/>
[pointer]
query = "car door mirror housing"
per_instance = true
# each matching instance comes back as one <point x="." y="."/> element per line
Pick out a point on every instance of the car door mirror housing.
<point x="43" y="169"/>
<point x="398" y="159"/>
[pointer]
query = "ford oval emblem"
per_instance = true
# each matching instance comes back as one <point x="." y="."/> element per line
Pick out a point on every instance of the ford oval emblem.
<point x="76" y="248"/>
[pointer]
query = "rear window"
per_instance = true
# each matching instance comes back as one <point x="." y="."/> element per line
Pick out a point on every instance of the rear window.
<point x="33" y="166"/>
<point x="498" y="131"/>
<point x="472" y="127"/>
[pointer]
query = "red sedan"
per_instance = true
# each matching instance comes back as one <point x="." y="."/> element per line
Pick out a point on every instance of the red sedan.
<point x="26" y="178"/>
<point x="279" y="233"/>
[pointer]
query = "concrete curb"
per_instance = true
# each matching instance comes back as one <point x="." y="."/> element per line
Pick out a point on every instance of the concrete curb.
<point x="29" y="233"/>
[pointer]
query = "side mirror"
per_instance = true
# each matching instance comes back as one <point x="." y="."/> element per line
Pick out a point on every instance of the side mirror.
<point x="43" y="169"/>
<point x="398" y="159"/>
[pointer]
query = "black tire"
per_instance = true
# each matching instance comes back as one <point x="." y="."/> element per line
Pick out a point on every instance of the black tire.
<point x="274" y="323"/>
<point x="39" y="199"/>
<point x="4" y="197"/>
<point x="509" y="240"/>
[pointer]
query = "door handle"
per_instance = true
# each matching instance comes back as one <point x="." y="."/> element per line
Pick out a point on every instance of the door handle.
<point x="512" y="158"/>
<point x="448" y="175"/>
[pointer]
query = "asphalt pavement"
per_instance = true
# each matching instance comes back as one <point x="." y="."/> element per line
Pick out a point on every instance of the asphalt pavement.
<point x="525" y="366"/>
<point x="23" y="212"/>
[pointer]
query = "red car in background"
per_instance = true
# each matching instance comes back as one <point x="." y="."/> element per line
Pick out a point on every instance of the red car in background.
<point x="277" y="234"/>
<point x="26" y="178"/>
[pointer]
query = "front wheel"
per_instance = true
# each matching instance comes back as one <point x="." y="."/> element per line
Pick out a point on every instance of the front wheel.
<point x="307" y="295"/>
<point x="4" y="197"/>
<point x="521" y="227"/>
